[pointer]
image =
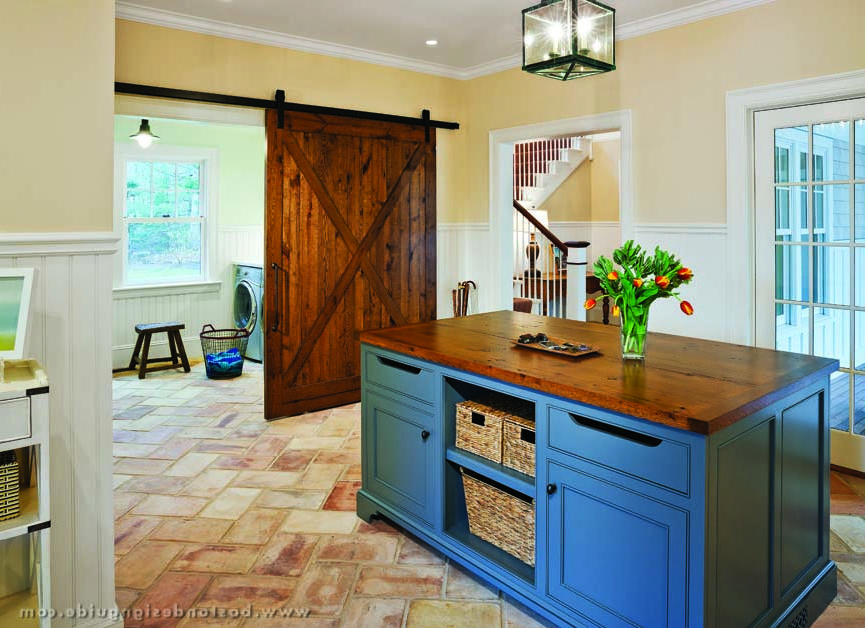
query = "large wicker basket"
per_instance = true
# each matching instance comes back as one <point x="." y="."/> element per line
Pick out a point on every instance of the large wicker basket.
<point x="479" y="423"/>
<point x="10" y="505"/>
<point x="504" y="519"/>
<point x="518" y="444"/>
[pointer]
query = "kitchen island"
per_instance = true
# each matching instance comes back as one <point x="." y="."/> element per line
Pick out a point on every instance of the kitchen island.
<point x="689" y="490"/>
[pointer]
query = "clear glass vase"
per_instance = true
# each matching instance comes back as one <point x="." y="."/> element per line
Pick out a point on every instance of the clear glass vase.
<point x="634" y="326"/>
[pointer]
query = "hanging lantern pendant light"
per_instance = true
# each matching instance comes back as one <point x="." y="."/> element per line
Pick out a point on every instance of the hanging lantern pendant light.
<point x="568" y="39"/>
<point x="144" y="137"/>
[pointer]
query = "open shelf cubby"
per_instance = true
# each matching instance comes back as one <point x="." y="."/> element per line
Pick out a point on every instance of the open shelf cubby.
<point x="456" y="515"/>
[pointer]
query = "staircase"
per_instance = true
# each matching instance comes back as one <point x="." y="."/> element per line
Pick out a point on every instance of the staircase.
<point x="542" y="165"/>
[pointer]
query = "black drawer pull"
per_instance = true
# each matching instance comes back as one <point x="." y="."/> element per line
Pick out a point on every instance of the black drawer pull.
<point x="424" y="435"/>
<point x="479" y="419"/>
<point x="527" y="435"/>
<point x="408" y="368"/>
<point x="551" y="488"/>
<point x="615" y="430"/>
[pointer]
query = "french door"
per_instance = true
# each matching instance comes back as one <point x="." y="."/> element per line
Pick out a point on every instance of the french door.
<point x="810" y="250"/>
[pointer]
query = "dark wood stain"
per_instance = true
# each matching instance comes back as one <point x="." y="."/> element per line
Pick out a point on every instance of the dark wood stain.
<point x="351" y="226"/>
<point x="697" y="385"/>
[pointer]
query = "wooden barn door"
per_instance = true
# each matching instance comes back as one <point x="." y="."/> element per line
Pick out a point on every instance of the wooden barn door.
<point x="350" y="227"/>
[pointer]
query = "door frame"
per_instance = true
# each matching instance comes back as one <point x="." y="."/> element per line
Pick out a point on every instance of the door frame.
<point x="741" y="193"/>
<point x="501" y="149"/>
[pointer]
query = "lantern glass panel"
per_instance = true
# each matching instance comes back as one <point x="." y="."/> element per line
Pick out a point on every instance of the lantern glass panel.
<point x="547" y="32"/>
<point x="594" y="31"/>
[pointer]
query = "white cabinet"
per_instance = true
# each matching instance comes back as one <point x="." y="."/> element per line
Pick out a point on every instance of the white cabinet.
<point x="24" y="540"/>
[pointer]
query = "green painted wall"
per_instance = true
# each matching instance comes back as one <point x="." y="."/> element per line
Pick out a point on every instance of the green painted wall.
<point x="241" y="161"/>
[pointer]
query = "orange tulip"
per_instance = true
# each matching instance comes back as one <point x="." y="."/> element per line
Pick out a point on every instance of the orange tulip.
<point x="613" y="275"/>
<point x="616" y="310"/>
<point x="662" y="281"/>
<point x="686" y="307"/>
<point x="637" y="282"/>
<point x="685" y="273"/>
<point x="590" y="304"/>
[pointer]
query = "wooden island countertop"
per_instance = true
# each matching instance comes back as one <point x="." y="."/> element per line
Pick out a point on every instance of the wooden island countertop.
<point x="696" y="385"/>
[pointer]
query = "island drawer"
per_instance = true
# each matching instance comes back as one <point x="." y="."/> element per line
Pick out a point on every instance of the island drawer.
<point x="399" y="374"/>
<point x="622" y="448"/>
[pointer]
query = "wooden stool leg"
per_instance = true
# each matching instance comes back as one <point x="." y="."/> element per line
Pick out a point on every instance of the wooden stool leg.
<point x="142" y="367"/>
<point x="135" y="351"/>
<point x="172" y="346"/>
<point x="181" y="350"/>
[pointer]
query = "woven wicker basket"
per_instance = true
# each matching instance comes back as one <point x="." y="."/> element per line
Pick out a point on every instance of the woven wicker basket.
<point x="10" y="506"/>
<point x="500" y="518"/>
<point x="518" y="444"/>
<point x="479" y="423"/>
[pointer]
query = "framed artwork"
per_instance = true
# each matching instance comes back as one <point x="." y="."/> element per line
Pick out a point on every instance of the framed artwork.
<point x="15" y="288"/>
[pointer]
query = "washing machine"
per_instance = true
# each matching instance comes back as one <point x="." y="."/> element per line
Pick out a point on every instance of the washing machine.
<point x="249" y="305"/>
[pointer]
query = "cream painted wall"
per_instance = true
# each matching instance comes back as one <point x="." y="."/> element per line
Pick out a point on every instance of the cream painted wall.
<point x="56" y="76"/>
<point x="674" y="81"/>
<point x="591" y="192"/>
<point x="56" y="170"/>
<point x="605" y="180"/>
<point x="572" y="200"/>
<point x="154" y="55"/>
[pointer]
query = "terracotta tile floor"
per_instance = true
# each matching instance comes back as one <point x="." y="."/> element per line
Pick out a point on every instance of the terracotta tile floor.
<point x="217" y="510"/>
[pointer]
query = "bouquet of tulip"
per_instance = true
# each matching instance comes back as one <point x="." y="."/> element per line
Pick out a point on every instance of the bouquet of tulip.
<point x="640" y="279"/>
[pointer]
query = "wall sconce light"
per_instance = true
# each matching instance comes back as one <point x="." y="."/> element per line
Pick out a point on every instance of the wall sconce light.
<point x="568" y="39"/>
<point x="144" y="137"/>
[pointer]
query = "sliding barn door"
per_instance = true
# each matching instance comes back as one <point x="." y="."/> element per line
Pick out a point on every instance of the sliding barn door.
<point x="351" y="231"/>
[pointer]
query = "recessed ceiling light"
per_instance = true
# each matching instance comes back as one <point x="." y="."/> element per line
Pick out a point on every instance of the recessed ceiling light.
<point x="432" y="42"/>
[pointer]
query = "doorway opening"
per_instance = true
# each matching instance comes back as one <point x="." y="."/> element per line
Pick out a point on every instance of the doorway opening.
<point x="510" y="178"/>
<point x="189" y="209"/>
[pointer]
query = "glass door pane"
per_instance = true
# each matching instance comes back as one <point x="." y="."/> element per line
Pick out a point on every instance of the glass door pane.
<point x="819" y="249"/>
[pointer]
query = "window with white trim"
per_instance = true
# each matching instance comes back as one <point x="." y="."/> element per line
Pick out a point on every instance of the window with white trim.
<point x="165" y="214"/>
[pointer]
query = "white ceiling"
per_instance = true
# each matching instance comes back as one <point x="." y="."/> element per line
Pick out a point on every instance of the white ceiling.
<point x="472" y="34"/>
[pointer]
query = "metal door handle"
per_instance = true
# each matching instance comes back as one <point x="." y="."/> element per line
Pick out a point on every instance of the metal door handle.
<point x="275" y="326"/>
<point x="424" y="435"/>
<point x="551" y="488"/>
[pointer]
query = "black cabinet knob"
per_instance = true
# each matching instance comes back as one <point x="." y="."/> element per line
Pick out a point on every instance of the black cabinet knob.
<point x="424" y="435"/>
<point x="551" y="488"/>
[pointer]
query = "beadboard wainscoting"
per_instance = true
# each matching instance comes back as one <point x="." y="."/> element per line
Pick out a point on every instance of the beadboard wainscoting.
<point x="193" y="306"/>
<point x="703" y="248"/>
<point x="69" y="333"/>
<point x="465" y="252"/>
<point x="604" y="236"/>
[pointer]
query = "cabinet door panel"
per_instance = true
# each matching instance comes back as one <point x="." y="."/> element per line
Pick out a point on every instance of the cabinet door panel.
<point x="615" y="556"/>
<point x="399" y="457"/>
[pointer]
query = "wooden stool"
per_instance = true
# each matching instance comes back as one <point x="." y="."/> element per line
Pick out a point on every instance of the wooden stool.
<point x="175" y="343"/>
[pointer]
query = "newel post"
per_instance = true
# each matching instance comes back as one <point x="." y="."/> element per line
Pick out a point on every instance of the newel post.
<point x="576" y="280"/>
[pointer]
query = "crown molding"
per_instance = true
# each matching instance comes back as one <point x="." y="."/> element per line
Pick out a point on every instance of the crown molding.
<point x="636" y="28"/>
<point x="180" y="21"/>
<point x="685" y="15"/>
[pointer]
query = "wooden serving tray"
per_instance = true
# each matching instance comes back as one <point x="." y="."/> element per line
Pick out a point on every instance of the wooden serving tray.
<point x="574" y="348"/>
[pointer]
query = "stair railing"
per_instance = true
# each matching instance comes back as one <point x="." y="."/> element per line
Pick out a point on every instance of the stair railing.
<point x="532" y="157"/>
<point x="539" y="263"/>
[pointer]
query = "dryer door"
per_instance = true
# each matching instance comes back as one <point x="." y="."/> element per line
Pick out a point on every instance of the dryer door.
<point x="245" y="306"/>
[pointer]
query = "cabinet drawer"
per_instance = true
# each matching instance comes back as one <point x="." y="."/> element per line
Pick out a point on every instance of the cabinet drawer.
<point x="15" y="419"/>
<point x="404" y="376"/>
<point x="632" y="452"/>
